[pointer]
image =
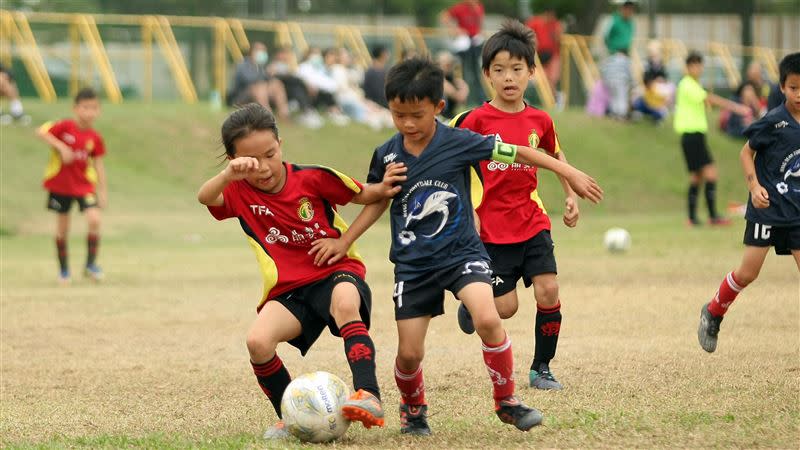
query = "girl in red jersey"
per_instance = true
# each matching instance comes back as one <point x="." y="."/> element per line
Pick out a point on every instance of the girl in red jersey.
<point x="283" y="208"/>
<point x="76" y="173"/>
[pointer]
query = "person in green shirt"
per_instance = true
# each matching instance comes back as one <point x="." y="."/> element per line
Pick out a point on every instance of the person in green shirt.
<point x="619" y="34"/>
<point x="691" y="123"/>
<point x="616" y="69"/>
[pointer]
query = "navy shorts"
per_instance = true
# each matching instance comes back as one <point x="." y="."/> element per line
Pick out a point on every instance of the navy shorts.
<point x="510" y="262"/>
<point x="784" y="239"/>
<point x="424" y="296"/>
<point x="311" y="305"/>
<point x="63" y="203"/>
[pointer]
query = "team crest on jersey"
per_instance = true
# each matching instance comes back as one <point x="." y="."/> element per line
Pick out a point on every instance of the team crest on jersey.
<point x="533" y="139"/>
<point x="89" y="145"/>
<point x="305" y="211"/>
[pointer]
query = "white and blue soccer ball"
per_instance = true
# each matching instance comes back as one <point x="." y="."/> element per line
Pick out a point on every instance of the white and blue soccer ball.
<point x="617" y="240"/>
<point x="312" y="407"/>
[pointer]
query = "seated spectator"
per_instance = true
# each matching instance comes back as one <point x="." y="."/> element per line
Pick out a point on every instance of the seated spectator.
<point x="776" y="97"/>
<point x="456" y="90"/>
<point x="8" y="89"/>
<point x="375" y="76"/>
<point x="251" y="83"/>
<point x="297" y="93"/>
<point x="653" y="102"/>
<point x="755" y="77"/>
<point x="734" y="123"/>
<point x="349" y="96"/>
<point x="319" y="78"/>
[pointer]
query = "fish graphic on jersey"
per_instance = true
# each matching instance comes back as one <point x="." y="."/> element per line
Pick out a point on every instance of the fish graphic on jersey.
<point x="436" y="203"/>
<point x="793" y="170"/>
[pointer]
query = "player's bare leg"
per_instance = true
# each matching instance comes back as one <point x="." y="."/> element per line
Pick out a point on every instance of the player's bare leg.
<point x="93" y="271"/>
<point x="548" y="326"/>
<point x="498" y="356"/>
<point x="62" y="232"/>
<point x="408" y="375"/>
<point x="274" y="324"/>
<point x="711" y="313"/>
<point x="365" y="404"/>
<point x="796" y="255"/>
<point x="506" y="304"/>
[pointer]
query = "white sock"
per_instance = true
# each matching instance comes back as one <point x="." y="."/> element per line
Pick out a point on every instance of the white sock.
<point x="15" y="107"/>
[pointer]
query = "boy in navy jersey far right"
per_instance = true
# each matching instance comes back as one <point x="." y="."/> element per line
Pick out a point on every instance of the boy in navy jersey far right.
<point x="771" y="163"/>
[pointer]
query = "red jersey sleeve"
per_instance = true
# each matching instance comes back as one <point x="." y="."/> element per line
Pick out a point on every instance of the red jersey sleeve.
<point x="228" y="208"/>
<point x="334" y="186"/>
<point x="99" y="146"/>
<point x="549" y="140"/>
<point x="56" y="128"/>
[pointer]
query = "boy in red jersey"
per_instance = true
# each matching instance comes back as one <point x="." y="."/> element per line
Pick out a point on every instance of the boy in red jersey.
<point x="514" y="225"/>
<point x="74" y="171"/>
<point x="282" y="209"/>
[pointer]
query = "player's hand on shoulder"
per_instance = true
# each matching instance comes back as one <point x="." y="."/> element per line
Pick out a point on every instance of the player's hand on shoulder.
<point x="585" y="186"/>
<point x="571" y="212"/>
<point x="760" y="197"/>
<point x="328" y="251"/>
<point x="240" y="168"/>
<point x="395" y="173"/>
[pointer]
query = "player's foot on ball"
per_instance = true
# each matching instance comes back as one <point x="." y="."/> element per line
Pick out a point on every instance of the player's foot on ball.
<point x="708" y="330"/>
<point x="719" y="221"/>
<point x="465" y="320"/>
<point x="512" y="411"/>
<point x="364" y="407"/>
<point x="544" y="379"/>
<point x="94" y="272"/>
<point x="63" y="278"/>
<point x="414" y="420"/>
<point x="277" y="432"/>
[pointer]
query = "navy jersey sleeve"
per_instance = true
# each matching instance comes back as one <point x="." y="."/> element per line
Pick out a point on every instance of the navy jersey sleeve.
<point x="760" y="135"/>
<point x="376" y="169"/>
<point x="476" y="147"/>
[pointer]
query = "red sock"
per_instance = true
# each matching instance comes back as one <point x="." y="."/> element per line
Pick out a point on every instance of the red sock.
<point x="411" y="385"/>
<point x="728" y="290"/>
<point x="499" y="361"/>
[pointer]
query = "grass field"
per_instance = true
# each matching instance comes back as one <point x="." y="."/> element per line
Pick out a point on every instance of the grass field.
<point x="155" y="357"/>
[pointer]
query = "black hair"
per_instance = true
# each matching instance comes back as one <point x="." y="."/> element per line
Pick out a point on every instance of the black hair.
<point x="86" y="93"/>
<point x="694" y="58"/>
<point x="378" y="51"/>
<point x="790" y="65"/>
<point x="513" y="37"/>
<point x="415" y="79"/>
<point x="245" y="120"/>
<point x="743" y="86"/>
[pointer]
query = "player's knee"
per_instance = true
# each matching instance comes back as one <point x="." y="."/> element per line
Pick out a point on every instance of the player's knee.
<point x="260" y="345"/>
<point x="487" y="324"/>
<point x="546" y="292"/>
<point x="345" y="309"/>
<point x="506" y="310"/>
<point x="409" y="358"/>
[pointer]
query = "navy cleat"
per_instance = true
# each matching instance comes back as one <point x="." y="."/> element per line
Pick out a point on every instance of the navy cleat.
<point x="708" y="330"/>
<point x="544" y="379"/>
<point x="512" y="411"/>
<point x="414" y="420"/>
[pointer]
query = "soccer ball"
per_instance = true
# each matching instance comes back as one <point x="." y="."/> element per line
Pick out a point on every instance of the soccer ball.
<point x="617" y="240"/>
<point x="312" y="407"/>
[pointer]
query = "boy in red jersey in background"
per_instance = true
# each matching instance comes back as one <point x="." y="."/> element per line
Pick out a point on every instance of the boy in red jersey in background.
<point x="74" y="171"/>
<point x="282" y="209"/>
<point x="514" y="226"/>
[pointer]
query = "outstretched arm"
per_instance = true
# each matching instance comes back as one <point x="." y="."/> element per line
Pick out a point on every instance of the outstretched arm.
<point x="584" y="185"/>
<point x="331" y="250"/>
<point x="724" y="103"/>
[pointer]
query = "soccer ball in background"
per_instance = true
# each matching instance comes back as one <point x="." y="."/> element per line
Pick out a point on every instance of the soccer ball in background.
<point x="312" y="407"/>
<point x="617" y="240"/>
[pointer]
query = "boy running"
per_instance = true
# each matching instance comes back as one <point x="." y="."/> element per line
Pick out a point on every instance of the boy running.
<point x="771" y="163"/>
<point x="434" y="244"/>
<point x="514" y="226"/>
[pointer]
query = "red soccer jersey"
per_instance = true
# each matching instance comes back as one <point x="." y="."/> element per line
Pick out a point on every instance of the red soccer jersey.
<point x="469" y="17"/>
<point x="281" y="227"/>
<point x="78" y="177"/>
<point x="510" y="209"/>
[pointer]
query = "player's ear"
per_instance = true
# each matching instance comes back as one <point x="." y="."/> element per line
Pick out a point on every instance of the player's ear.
<point x="439" y="107"/>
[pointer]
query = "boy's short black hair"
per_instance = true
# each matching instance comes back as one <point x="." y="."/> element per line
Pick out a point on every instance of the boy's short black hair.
<point x="513" y="37"/>
<point x="415" y="79"/>
<point x="790" y="65"/>
<point x="694" y="58"/>
<point x="378" y="51"/>
<point x="85" y="94"/>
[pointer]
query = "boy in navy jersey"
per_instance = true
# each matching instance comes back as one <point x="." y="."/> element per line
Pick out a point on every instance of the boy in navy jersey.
<point x="434" y="243"/>
<point x="282" y="209"/>
<point x="771" y="162"/>
<point x="514" y="225"/>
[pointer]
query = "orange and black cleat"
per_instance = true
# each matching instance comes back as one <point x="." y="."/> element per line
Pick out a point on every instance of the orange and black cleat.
<point x="364" y="407"/>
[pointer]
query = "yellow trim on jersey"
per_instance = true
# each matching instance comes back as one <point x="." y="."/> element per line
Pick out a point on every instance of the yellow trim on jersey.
<point x="454" y="120"/>
<point x="91" y="173"/>
<point x="269" y="270"/>
<point x="53" y="165"/>
<point x="476" y="188"/>
<point x="535" y="197"/>
<point x="341" y="225"/>
<point x="345" y="179"/>
<point x="558" y="144"/>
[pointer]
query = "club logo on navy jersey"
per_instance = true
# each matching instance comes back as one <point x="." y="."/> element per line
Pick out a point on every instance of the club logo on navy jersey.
<point x="781" y="124"/>
<point x="427" y="209"/>
<point x="791" y="171"/>
<point x="305" y="211"/>
<point x="389" y="158"/>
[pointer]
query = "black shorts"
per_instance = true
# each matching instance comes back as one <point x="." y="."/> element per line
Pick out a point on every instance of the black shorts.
<point x="424" y="296"/>
<point x="311" y="304"/>
<point x="63" y="203"/>
<point x="510" y="262"/>
<point x="695" y="151"/>
<point x="784" y="239"/>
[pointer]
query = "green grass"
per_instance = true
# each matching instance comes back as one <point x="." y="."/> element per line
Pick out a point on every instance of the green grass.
<point x="155" y="357"/>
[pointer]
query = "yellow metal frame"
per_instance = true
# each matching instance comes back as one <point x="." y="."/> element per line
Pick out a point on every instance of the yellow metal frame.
<point x="15" y="27"/>
<point x="84" y="26"/>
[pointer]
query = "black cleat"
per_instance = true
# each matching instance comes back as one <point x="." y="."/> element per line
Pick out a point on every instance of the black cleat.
<point x="465" y="320"/>
<point x="708" y="330"/>
<point x="512" y="411"/>
<point x="414" y="420"/>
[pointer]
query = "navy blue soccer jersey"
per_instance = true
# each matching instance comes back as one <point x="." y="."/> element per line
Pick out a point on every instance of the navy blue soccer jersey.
<point x="432" y="223"/>
<point x="776" y="141"/>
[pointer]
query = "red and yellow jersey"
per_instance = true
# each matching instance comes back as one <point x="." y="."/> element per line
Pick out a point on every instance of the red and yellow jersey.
<point x="281" y="227"/>
<point x="508" y="203"/>
<point x="78" y="177"/>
